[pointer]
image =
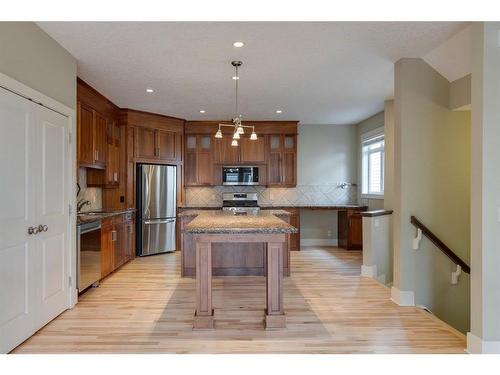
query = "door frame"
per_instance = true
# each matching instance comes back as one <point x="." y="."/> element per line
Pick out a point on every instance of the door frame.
<point x="37" y="97"/>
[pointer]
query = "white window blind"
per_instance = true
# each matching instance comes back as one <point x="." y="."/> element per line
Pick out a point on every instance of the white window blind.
<point x="373" y="165"/>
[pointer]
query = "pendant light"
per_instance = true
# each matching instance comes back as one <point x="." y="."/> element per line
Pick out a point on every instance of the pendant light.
<point x="237" y="126"/>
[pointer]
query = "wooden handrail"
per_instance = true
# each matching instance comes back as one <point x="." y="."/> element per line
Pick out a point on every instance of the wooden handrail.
<point x="441" y="246"/>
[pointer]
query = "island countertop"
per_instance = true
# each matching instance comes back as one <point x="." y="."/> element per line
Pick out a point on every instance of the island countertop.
<point x="224" y="222"/>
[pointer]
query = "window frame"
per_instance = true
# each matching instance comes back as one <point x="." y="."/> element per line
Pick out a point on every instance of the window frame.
<point x="365" y="170"/>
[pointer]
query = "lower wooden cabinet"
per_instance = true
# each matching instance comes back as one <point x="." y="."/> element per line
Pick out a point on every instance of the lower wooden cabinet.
<point x="350" y="230"/>
<point x="117" y="242"/>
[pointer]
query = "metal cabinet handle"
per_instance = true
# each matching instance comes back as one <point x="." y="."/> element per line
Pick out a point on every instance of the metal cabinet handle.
<point x="115" y="176"/>
<point x="97" y="154"/>
<point x="113" y="235"/>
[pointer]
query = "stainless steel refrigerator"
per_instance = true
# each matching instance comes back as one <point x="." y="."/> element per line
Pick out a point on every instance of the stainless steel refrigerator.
<point x="157" y="208"/>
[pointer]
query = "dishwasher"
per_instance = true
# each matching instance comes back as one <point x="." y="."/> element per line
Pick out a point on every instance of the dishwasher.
<point x="89" y="254"/>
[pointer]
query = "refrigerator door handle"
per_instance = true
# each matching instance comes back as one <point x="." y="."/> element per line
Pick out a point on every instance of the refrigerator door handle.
<point x="149" y="222"/>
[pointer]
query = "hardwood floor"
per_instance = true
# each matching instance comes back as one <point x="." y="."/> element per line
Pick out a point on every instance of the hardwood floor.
<point x="146" y="307"/>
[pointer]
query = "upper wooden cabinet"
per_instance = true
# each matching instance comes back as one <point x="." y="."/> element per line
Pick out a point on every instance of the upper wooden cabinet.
<point x="199" y="160"/>
<point x="282" y="161"/>
<point x="252" y="151"/>
<point x="274" y="152"/>
<point x="247" y="152"/>
<point x="91" y="136"/>
<point x="157" y="138"/>
<point x="224" y="153"/>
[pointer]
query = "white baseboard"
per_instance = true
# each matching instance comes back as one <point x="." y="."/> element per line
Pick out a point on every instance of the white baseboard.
<point x="319" y="242"/>
<point x="476" y="345"/>
<point x="369" y="271"/>
<point x="402" y="297"/>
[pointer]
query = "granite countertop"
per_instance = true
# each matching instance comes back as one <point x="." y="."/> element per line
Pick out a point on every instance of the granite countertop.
<point x="196" y="211"/>
<point x="312" y="207"/>
<point x="86" y="217"/>
<point x="263" y="222"/>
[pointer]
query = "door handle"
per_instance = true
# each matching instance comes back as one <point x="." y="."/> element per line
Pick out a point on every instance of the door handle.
<point x="148" y="222"/>
<point x="42" y="228"/>
<point x="113" y="235"/>
<point x="33" y="230"/>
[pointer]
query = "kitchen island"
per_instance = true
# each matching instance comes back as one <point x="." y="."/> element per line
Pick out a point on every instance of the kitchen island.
<point x="245" y="259"/>
<point x="222" y="227"/>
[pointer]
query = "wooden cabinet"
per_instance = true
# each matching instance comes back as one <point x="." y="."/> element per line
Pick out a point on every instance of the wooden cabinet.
<point x="294" y="221"/>
<point x="350" y="230"/>
<point x="252" y="151"/>
<point x="282" y="160"/>
<point x="247" y="152"/>
<point x="117" y="242"/>
<point x="91" y="137"/>
<point x="107" y="248"/>
<point x="198" y="160"/>
<point x="157" y="144"/>
<point x="145" y="143"/>
<point x="224" y="153"/>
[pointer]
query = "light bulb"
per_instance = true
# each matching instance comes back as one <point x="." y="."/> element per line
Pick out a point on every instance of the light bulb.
<point x="234" y="142"/>
<point x="240" y="130"/>
<point x="253" y="136"/>
<point x="218" y="134"/>
<point x="236" y="135"/>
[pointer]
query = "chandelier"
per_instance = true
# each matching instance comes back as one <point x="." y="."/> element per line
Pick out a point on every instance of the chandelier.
<point x="237" y="126"/>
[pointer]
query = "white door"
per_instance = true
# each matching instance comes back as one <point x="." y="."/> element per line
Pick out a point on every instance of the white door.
<point x="34" y="164"/>
<point x="17" y="248"/>
<point x="51" y="198"/>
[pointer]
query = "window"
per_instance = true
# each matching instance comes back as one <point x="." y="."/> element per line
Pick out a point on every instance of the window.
<point x="373" y="164"/>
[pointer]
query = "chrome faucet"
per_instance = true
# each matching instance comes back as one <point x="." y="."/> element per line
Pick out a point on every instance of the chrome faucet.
<point x="80" y="205"/>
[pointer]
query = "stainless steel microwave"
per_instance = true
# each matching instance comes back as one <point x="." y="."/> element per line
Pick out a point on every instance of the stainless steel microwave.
<point x="240" y="175"/>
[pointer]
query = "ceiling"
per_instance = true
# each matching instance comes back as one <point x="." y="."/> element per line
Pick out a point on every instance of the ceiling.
<point x="317" y="73"/>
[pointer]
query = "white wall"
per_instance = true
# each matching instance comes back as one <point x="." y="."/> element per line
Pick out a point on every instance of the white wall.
<point x="30" y="56"/>
<point x="432" y="172"/>
<point x="485" y="188"/>
<point x="327" y="154"/>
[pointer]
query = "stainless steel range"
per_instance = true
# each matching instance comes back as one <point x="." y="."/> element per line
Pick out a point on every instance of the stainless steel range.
<point x="240" y="202"/>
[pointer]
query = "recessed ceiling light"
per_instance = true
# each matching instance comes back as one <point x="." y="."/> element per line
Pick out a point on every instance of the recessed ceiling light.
<point x="202" y="111"/>
<point x="238" y="44"/>
<point x="279" y="111"/>
<point x="236" y="78"/>
<point x="150" y="90"/>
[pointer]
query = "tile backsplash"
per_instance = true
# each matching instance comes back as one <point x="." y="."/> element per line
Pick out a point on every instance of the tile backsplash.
<point x="302" y="195"/>
<point x="91" y="194"/>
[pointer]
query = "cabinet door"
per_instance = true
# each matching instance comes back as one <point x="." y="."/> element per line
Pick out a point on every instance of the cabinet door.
<point x="85" y="135"/>
<point x="190" y="175"/>
<point x="288" y="171"/>
<point x="130" y="241"/>
<point x="107" y="250"/>
<point x="289" y="161"/>
<point x="295" y="237"/>
<point x="120" y="240"/>
<point x="100" y="140"/>
<point x="224" y="153"/>
<point x="252" y="151"/>
<point x="274" y="160"/>
<point x="165" y="142"/>
<point x="355" y="235"/>
<point x="204" y="160"/>
<point x="145" y="143"/>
